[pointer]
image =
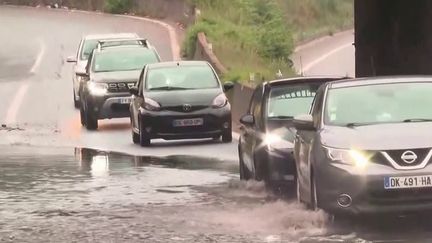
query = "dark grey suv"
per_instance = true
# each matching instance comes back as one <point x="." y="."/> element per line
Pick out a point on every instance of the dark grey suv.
<point x="366" y="146"/>
<point x="113" y="68"/>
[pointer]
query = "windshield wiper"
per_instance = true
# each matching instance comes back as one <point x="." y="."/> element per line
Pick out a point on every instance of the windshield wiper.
<point x="168" y="88"/>
<point x="281" y="117"/>
<point x="417" y="120"/>
<point x="358" y="124"/>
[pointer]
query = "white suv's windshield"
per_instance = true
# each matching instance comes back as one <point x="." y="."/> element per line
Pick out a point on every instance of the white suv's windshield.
<point x="382" y="103"/>
<point x="181" y="77"/>
<point x="288" y="101"/>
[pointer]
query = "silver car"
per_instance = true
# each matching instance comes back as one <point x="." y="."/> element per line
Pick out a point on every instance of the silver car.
<point x="366" y="147"/>
<point x="86" y="46"/>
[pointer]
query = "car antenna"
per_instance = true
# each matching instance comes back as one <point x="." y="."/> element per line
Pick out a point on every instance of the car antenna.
<point x="301" y="66"/>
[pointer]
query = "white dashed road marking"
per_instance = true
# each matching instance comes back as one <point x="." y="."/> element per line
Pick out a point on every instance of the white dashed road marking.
<point x="22" y="91"/>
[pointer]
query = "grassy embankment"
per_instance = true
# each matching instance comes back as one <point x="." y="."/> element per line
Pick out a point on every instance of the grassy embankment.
<point x="258" y="36"/>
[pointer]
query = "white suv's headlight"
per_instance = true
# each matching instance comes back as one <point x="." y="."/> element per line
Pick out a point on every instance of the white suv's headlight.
<point x="97" y="88"/>
<point x="349" y="156"/>
<point x="220" y="101"/>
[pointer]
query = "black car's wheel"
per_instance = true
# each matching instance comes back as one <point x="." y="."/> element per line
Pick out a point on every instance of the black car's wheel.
<point x="135" y="137"/>
<point x="244" y="172"/>
<point x="91" y="121"/>
<point x="261" y="171"/>
<point x="227" y="136"/>
<point x="76" y="102"/>
<point x="313" y="205"/>
<point x="144" y="138"/>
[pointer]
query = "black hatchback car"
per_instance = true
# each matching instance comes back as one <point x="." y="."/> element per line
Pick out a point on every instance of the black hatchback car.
<point x="267" y="131"/>
<point x="113" y="67"/>
<point x="180" y="100"/>
<point x="366" y="147"/>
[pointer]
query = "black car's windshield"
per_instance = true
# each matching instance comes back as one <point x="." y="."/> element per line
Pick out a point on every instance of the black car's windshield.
<point x="121" y="59"/>
<point x="181" y="78"/>
<point x="382" y="103"/>
<point x="287" y="101"/>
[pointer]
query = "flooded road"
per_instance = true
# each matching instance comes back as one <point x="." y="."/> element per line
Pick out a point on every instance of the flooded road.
<point x="82" y="195"/>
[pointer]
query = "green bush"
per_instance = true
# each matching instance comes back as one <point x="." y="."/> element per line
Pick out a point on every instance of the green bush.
<point x="257" y="37"/>
<point x="118" y="6"/>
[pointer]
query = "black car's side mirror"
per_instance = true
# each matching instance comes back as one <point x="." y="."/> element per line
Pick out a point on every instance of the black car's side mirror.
<point x="247" y="120"/>
<point x="304" y="123"/>
<point x="134" y="90"/>
<point x="228" y="85"/>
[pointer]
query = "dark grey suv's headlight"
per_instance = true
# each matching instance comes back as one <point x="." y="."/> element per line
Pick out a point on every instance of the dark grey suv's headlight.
<point x="97" y="89"/>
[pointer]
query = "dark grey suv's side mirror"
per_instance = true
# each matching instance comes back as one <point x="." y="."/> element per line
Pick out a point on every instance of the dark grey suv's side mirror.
<point x="247" y="120"/>
<point x="304" y="122"/>
<point x="134" y="90"/>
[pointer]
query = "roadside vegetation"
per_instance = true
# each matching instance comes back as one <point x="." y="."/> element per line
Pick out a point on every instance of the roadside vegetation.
<point x="258" y="36"/>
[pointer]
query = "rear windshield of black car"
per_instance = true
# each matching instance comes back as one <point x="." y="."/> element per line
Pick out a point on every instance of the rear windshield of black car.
<point x="181" y="77"/>
<point x="123" y="59"/>
<point x="291" y="100"/>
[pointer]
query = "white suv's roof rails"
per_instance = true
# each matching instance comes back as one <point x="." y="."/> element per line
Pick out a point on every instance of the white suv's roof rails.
<point x="121" y="42"/>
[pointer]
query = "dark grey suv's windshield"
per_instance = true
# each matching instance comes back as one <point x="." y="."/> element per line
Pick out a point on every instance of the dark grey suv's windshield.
<point x="121" y="59"/>
<point x="287" y="101"/>
<point x="383" y="103"/>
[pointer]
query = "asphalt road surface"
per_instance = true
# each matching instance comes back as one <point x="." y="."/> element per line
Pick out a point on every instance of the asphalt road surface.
<point x="36" y="83"/>
<point x="55" y="188"/>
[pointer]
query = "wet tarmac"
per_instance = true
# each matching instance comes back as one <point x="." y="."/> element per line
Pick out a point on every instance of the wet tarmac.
<point x="83" y="195"/>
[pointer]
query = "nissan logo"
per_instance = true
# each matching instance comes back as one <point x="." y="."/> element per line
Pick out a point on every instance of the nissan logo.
<point x="409" y="157"/>
<point x="187" y="107"/>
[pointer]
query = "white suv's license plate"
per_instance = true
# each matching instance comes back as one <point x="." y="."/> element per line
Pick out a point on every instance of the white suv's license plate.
<point x="125" y="100"/>
<point x="188" y="122"/>
<point x="407" y="182"/>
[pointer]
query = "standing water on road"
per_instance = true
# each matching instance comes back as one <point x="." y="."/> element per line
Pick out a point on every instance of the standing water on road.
<point x="60" y="195"/>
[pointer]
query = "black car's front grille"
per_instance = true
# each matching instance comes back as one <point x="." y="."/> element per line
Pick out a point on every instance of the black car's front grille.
<point x="397" y="155"/>
<point x="165" y="125"/>
<point x="184" y="109"/>
<point x="120" y="87"/>
<point x="400" y="196"/>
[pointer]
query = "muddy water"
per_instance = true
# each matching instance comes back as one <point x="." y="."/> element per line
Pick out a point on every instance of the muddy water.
<point x="81" y="195"/>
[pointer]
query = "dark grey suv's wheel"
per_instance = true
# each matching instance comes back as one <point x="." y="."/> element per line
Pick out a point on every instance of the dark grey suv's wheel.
<point x="90" y="120"/>
<point x="76" y="102"/>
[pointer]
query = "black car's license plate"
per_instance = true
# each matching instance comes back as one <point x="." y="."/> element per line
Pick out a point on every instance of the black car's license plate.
<point x="407" y="182"/>
<point x="188" y="122"/>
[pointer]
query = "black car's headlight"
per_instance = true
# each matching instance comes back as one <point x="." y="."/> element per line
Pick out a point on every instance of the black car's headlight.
<point x="275" y="142"/>
<point x="349" y="156"/>
<point x="151" y="105"/>
<point x="220" y="101"/>
<point x="97" y="89"/>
